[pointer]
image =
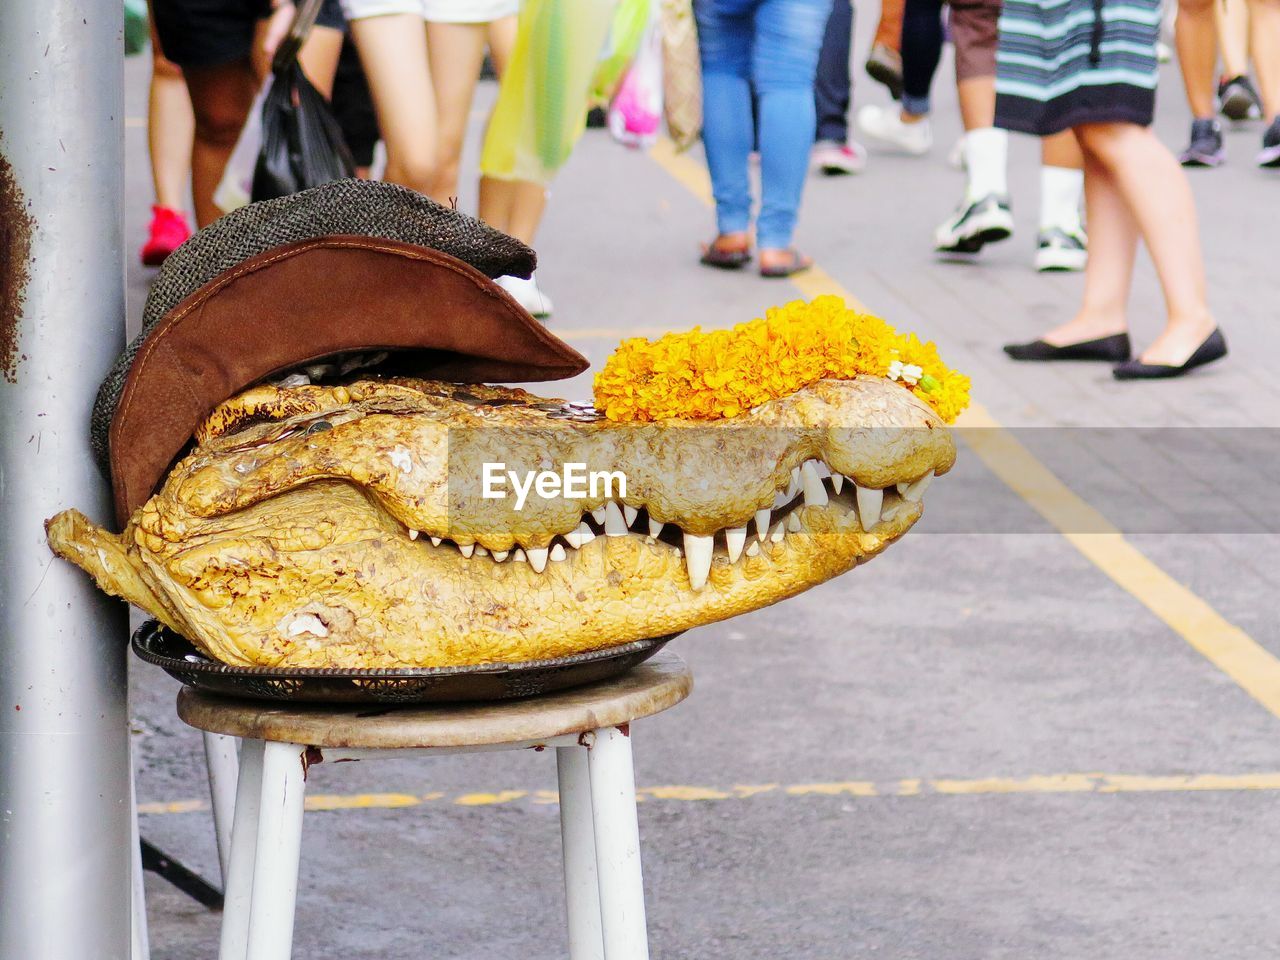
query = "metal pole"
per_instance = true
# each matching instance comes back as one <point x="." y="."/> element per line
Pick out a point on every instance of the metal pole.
<point x="64" y="755"/>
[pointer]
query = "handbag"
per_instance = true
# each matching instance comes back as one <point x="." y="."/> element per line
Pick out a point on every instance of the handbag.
<point x="302" y="144"/>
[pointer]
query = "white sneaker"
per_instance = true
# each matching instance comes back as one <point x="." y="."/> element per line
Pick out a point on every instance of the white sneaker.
<point x="885" y="125"/>
<point x="1059" y="248"/>
<point x="528" y="294"/>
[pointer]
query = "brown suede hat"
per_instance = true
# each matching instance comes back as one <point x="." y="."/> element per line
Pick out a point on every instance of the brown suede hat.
<point x="296" y="303"/>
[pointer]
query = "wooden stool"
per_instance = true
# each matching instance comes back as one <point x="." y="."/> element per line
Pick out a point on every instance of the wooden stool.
<point x="588" y="726"/>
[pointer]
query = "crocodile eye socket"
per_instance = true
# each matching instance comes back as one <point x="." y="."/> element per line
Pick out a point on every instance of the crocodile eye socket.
<point x="320" y="426"/>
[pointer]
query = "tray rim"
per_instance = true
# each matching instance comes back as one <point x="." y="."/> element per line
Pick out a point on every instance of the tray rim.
<point x="152" y="628"/>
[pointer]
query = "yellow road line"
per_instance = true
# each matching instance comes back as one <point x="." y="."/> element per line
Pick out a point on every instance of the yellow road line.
<point x="863" y="789"/>
<point x="1224" y="644"/>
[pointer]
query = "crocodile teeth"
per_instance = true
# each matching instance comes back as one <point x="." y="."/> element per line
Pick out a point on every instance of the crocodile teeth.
<point x="413" y="534"/>
<point x="629" y="514"/>
<point x="916" y="489"/>
<point x="537" y="558"/>
<point x="501" y="555"/>
<point x="762" y="523"/>
<point x="793" y="523"/>
<point x="557" y="552"/>
<point x="581" y="537"/>
<point x="837" y="482"/>
<point x="753" y="550"/>
<point x="481" y="552"/>
<point x="436" y="541"/>
<point x="779" y="531"/>
<point x="519" y="556"/>
<point x="815" y="494"/>
<point x="598" y="515"/>
<point x="734" y="539"/>
<point x="697" y="551"/>
<point x="614" y="524"/>
<point x="655" y="528"/>
<point x="869" y="504"/>
<point x="794" y="486"/>
<point x="467" y="549"/>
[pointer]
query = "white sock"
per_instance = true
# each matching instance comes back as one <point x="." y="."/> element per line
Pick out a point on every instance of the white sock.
<point x="986" y="157"/>
<point x="1061" y="190"/>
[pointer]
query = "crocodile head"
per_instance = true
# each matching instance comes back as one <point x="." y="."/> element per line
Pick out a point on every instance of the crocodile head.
<point x="370" y="524"/>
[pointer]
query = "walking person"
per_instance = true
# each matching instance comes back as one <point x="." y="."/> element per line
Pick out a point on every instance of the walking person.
<point x="1264" y="27"/>
<point x="1090" y="66"/>
<point x="224" y="49"/>
<point x="171" y="128"/>
<point x="833" y="152"/>
<point x="771" y="47"/>
<point x="458" y="34"/>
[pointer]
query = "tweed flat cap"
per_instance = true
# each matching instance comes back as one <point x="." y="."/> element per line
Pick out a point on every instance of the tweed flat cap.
<point x="350" y="266"/>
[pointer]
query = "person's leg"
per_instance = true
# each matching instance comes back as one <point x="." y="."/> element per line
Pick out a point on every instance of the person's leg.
<point x="1196" y="36"/>
<point x="393" y="51"/>
<point x="1061" y="243"/>
<point x="1158" y="196"/>
<point x="171" y="128"/>
<point x="986" y="147"/>
<point x="1232" y="19"/>
<point x="832" y="86"/>
<point x="513" y="206"/>
<point x="922" y="39"/>
<point x="457" y="51"/>
<point x="1264" y="30"/>
<point x="884" y="62"/>
<point x="220" y="99"/>
<point x="1113" y="237"/>
<point x="725" y="47"/>
<point x="788" y="36"/>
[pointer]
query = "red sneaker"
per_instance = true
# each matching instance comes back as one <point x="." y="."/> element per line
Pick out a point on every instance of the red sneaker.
<point x="168" y="232"/>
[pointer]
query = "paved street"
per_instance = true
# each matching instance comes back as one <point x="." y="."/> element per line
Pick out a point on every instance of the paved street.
<point x="1046" y="724"/>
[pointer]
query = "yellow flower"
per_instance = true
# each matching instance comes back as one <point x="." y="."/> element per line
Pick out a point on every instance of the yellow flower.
<point x="724" y="373"/>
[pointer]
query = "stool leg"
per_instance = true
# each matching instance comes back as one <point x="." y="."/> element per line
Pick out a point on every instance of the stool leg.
<point x="275" y="868"/>
<point x="238" y="889"/>
<point x="220" y="760"/>
<point x="140" y="947"/>
<point x="613" y="807"/>
<point x="577" y="835"/>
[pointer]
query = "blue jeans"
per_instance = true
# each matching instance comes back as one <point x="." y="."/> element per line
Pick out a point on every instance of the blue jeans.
<point x="771" y="47"/>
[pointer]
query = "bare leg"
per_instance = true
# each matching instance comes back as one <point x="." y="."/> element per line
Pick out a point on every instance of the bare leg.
<point x="1264" y="28"/>
<point x="513" y="206"/>
<point x="977" y="102"/>
<point x="1196" y="36"/>
<point x="171" y="128"/>
<point x="220" y="99"/>
<point x="1232" y="18"/>
<point x="457" y="50"/>
<point x="318" y="56"/>
<point x="1061" y="150"/>
<point x="393" y="50"/>
<point x="1113" y="245"/>
<point x="1158" y="195"/>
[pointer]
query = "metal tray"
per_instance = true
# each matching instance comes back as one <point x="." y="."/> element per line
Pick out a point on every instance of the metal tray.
<point x="494" y="681"/>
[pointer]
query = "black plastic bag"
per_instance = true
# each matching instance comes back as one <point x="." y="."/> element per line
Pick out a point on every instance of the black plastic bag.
<point x="302" y="144"/>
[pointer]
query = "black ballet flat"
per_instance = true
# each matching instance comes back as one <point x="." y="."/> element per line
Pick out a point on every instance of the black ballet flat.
<point x="1213" y="348"/>
<point x="1112" y="349"/>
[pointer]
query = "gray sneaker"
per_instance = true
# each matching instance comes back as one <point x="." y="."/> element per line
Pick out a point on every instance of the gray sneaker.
<point x="974" y="225"/>
<point x="1270" y="155"/>
<point x="1059" y="249"/>
<point x="1205" y="148"/>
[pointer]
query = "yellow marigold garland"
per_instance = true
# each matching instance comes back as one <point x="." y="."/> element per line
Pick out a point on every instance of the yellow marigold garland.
<point x="723" y="373"/>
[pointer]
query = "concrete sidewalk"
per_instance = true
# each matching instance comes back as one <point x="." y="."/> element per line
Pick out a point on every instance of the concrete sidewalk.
<point x="992" y="742"/>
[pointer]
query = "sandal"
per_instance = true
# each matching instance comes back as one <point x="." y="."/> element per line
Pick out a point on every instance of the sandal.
<point x="722" y="259"/>
<point x="795" y="262"/>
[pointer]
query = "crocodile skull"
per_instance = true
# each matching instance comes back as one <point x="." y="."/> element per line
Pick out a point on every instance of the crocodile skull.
<point x="369" y="525"/>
